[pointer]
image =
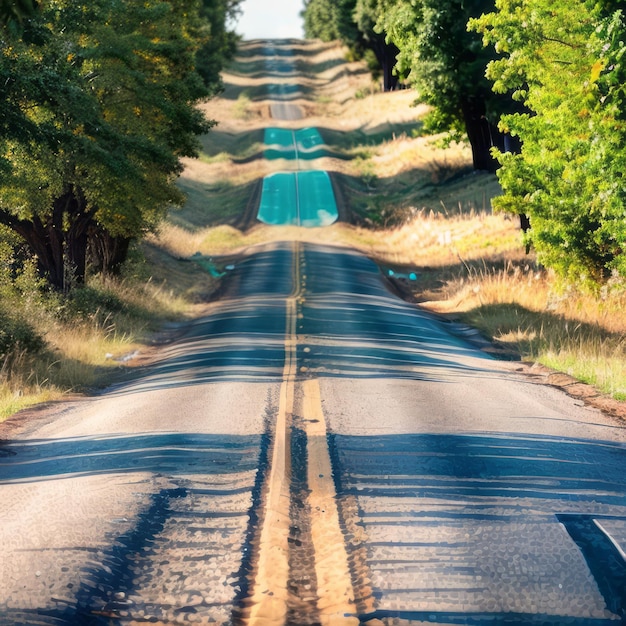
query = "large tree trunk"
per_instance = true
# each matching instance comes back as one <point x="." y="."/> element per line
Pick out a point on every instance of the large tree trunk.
<point x="76" y="251"/>
<point x="46" y="243"/>
<point x="482" y="136"/>
<point x="59" y="242"/>
<point x="386" y="55"/>
<point x="106" y="252"/>
<point x="71" y="209"/>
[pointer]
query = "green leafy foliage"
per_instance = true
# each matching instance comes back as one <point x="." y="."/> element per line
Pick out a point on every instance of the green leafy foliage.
<point x="218" y="43"/>
<point x="565" y="62"/>
<point x="445" y="64"/>
<point x="16" y="334"/>
<point x="353" y="22"/>
<point x="13" y="13"/>
<point x="321" y="20"/>
<point x="330" y="20"/>
<point x="98" y="104"/>
<point x="19" y="290"/>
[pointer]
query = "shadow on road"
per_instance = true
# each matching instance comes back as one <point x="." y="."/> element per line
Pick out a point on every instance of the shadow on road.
<point x="476" y="520"/>
<point x="350" y="326"/>
<point x="208" y="520"/>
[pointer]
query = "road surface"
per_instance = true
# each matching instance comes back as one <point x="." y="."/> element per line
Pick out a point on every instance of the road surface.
<point x="301" y="198"/>
<point x="298" y="198"/>
<point x="315" y="451"/>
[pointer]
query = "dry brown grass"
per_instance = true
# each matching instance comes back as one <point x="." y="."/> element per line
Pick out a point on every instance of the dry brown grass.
<point x="88" y="345"/>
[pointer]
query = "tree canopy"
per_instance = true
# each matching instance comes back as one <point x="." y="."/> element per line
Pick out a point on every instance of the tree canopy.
<point x="445" y="64"/>
<point x="98" y="105"/>
<point x="353" y="23"/>
<point x="426" y="43"/>
<point x="564" y="61"/>
<point x="16" y="11"/>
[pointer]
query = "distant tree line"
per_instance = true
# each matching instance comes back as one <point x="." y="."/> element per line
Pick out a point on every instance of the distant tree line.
<point x="539" y="89"/>
<point x="97" y="107"/>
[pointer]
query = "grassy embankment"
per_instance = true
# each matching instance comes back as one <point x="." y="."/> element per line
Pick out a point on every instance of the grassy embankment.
<point x="413" y="206"/>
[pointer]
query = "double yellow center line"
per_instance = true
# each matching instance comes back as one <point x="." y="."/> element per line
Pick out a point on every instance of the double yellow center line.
<point x="268" y="603"/>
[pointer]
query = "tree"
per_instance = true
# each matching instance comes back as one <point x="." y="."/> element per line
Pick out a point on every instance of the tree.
<point x="446" y="65"/>
<point x="326" y="19"/>
<point x="16" y="11"/>
<point x="352" y="22"/>
<point x="99" y="105"/>
<point x="366" y="15"/>
<point x="565" y="62"/>
<point x="218" y="42"/>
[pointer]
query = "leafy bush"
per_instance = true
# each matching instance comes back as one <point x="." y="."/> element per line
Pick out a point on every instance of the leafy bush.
<point x="17" y="334"/>
<point x="564" y="61"/>
<point x="86" y="301"/>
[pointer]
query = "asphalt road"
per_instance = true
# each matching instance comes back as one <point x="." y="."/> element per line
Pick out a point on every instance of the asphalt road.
<point x="298" y="198"/>
<point x="283" y="89"/>
<point x="303" y="144"/>
<point x="301" y="198"/>
<point x="315" y="451"/>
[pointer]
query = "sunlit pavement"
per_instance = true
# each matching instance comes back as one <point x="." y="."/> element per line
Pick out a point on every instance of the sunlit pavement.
<point x="465" y="493"/>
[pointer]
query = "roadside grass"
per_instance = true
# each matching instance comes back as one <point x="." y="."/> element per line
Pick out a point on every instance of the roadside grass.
<point x="520" y="305"/>
<point x="71" y="346"/>
<point x="588" y="352"/>
<point x="210" y="203"/>
<point x="558" y="335"/>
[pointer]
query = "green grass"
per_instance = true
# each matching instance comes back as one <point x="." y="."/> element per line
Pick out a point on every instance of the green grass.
<point x="210" y="204"/>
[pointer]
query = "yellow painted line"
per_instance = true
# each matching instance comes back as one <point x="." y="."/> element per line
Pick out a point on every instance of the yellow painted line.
<point x="334" y="584"/>
<point x="268" y="599"/>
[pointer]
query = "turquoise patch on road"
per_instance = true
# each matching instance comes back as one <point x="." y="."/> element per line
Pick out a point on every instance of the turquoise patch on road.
<point x="305" y="144"/>
<point x="317" y="199"/>
<point x="279" y="200"/>
<point x="310" y="144"/>
<point x="301" y="199"/>
<point x="280" y="144"/>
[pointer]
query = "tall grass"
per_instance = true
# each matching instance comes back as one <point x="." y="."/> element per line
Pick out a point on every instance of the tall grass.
<point x="522" y="307"/>
<point x="56" y="346"/>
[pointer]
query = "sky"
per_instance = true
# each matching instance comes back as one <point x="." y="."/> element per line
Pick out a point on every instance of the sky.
<point x="270" y="19"/>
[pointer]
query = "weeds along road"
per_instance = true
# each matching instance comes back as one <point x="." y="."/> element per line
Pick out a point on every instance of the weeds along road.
<point x="315" y="451"/>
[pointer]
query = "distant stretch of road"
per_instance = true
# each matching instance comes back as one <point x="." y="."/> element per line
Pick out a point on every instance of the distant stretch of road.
<point x="300" y="198"/>
<point x="294" y="145"/>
